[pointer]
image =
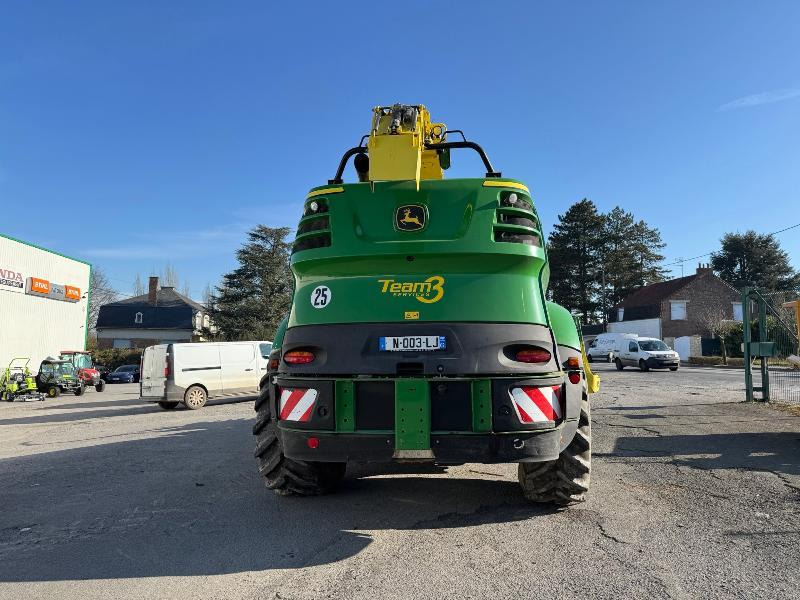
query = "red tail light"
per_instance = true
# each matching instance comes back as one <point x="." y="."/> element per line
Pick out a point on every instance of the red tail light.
<point x="574" y="377"/>
<point x="532" y="355"/>
<point x="298" y="357"/>
<point x="166" y="366"/>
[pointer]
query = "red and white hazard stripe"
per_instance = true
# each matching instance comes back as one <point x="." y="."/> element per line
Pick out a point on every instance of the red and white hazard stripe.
<point x="537" y="404"/>
<point x="297" y="404"/>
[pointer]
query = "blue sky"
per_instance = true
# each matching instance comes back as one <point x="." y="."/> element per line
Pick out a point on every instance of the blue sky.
<point x="138" y="134"/>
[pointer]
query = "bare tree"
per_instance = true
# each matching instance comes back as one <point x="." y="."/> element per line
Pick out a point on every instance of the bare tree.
<point x="169" y="277"/>
<point x="100" y="293"/>
<point x="186" y="290"/>
<point x="138" y="286"/>
<point x="207" y="295"/>
<point x="712" y="319"/>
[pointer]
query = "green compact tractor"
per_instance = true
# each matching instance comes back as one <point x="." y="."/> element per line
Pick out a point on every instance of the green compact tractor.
<point x="58" y="376"/>
<point x="17" y="383"/>
<point x="419" y="328"/>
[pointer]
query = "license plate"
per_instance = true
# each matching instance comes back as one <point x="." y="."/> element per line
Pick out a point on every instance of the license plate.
<point x="412" y="343"/>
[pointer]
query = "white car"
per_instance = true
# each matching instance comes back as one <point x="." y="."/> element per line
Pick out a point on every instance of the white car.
<point x="647" y="353"/>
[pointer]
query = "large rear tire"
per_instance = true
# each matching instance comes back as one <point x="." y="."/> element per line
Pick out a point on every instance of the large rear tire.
<point x="565" y="480"/>
<point x="283" y="475"/>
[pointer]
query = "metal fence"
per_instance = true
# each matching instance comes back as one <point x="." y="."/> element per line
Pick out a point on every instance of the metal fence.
<point x="772" y="341"/>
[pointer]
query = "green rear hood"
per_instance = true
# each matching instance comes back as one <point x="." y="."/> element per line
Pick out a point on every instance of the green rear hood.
<point x="450" y="270"/>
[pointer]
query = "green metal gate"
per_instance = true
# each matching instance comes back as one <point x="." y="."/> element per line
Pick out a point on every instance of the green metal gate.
<point x="770" y="335"/>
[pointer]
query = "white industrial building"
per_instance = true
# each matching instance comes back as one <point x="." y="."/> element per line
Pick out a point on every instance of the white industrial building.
<point x="44" y="302"/>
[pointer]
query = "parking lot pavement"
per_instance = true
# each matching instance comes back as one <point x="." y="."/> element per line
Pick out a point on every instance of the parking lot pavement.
<point x="694" y="495"/>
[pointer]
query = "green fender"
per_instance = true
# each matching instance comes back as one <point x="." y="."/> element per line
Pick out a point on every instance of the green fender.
<point x="566" y="332"/>
<point x="563" y="324"/>
<point x="279" y="333"/>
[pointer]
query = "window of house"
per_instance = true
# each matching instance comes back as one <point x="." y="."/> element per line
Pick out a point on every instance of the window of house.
<point x="119" y="343"/>
<point x="677" y="310"/>
<point x="737" y="311"/>
<point x="620" y="314"/>
<point x="138" y="318"/>
<point x="198" y="321"/>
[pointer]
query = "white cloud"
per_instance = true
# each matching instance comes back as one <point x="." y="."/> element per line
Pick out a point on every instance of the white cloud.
<point x="763" y="98"/>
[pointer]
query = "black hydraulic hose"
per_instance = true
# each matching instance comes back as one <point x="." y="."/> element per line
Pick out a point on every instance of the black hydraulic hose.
<point x="490" y="172"/>
<point x="343" y="163"/>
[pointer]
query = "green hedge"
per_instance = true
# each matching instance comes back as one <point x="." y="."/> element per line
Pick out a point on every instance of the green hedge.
<point x="116" y="357"/>
<point x="713" y="361"/>
<point x="708" y="361"/>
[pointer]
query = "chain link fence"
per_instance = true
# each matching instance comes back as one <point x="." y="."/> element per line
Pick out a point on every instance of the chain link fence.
<point x="781" y="329"/>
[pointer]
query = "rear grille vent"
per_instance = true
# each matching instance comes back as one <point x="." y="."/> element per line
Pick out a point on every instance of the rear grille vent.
<point x="314" y="231"/>
<point x="315" y="224"/>
<point x="516" y="222"/>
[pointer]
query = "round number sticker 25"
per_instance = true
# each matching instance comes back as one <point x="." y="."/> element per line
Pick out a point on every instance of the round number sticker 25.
<point x="321" y="296"/>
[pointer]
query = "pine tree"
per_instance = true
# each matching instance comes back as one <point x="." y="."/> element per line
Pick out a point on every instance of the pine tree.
<point x="254" y="298"/>
<point x="756" y="259"/>
<point x="631" y="256"/>
<point x="645" y="247"/>
<point x="617" y="261"/>
<point x="574" y="249"/>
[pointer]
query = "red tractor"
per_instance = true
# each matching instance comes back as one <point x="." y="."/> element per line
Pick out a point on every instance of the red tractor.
<point x="82" y="361"/>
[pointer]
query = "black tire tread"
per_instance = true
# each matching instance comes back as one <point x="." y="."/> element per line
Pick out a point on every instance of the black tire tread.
<point x="565" y="480"/>
<point x="283" y="475"/>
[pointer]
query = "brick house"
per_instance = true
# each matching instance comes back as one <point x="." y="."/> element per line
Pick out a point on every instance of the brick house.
<point x="673" y="309"/>
<point x="160" y="316"/>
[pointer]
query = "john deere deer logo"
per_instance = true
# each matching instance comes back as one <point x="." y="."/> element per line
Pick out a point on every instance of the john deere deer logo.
<point x="410" y="217"/>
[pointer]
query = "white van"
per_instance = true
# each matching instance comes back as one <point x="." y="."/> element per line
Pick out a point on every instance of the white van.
<point x="647" y="353"/>
<point x="606" y="346"/>
<point x="195" y="373"/>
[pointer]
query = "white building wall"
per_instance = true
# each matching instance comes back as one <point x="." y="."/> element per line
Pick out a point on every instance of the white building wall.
<point x="37" y="327"/>
<point x="641" y="327"/>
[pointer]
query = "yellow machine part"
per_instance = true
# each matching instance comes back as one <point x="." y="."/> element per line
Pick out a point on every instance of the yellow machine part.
<point x="592" y="379"/>
<point x="397" y="149"/>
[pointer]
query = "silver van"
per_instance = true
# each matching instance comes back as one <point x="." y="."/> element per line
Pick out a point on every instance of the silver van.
<point x="194" y="373"/>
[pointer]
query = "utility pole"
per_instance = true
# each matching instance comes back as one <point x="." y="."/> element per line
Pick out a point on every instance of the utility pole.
<point x="603" y="298"/>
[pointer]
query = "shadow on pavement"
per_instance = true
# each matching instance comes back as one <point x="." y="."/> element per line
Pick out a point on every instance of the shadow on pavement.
<point x="188" y="501"/>
<point x="767" y="451"/>
<point x="43" y="416"/>
<point x="133" y="407"/>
